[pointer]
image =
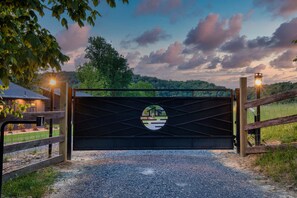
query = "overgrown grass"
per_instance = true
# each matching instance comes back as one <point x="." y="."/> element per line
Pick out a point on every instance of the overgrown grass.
<point x="280" y="165"/>
<point x="31" y="185"/>
<point x="22" y="137"/>
<point x="284" y="133"/>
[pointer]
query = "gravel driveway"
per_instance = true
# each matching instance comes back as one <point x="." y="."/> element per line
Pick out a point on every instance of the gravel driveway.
<point x="152" y="174"/>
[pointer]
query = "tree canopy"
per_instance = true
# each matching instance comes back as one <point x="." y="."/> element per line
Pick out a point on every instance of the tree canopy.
<point x="112" y="68"/>
<point x="25" y="46"/>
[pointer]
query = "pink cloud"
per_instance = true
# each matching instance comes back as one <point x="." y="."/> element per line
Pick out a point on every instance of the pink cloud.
<point x="148" y="37"/>
<point x="172" y="56"/>
<point x="174" y="9"/>
<point x="210" y="33"/>
<point x="256" y="69"/>
<point x="278" y="7"/>
<point x="147" y="7"/>
<point x="285" y="60"/>
<point x="151" y="36"/>
<point x="73" y="38"/>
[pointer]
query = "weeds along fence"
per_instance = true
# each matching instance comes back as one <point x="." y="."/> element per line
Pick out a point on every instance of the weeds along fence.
<point x="244" y="127"/>
<point x="27" y="151"/>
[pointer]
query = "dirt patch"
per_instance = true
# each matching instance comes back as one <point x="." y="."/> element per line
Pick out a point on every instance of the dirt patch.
<point x="247" y="165"/>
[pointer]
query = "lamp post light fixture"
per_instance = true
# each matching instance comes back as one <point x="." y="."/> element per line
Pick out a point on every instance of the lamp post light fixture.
<point x="258" y="86"/>
<point x="52" y="83"/>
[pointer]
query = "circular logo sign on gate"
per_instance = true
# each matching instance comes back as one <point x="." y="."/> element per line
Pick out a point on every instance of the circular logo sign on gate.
<point x="154" y="117"/>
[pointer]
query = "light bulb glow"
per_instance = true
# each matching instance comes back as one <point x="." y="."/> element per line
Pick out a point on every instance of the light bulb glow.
<point x="52" y="82"/>
<point x="258" y="82"/>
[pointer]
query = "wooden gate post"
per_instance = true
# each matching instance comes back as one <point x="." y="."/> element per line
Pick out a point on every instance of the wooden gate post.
<point x="237" y="120"/>
<point x="243" y="116"/>
<point x="63" y="121"/>
<point x="69" y="124"/>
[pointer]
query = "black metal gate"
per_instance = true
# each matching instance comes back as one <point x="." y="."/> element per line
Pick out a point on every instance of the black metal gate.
<point x="188" y="121"/>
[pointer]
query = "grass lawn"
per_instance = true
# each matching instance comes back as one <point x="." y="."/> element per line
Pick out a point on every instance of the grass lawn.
<point x="23" y="137"/>
<point x="31" y="185"/>
<point x="280" y="165"/>
<point x="284" y="133"/>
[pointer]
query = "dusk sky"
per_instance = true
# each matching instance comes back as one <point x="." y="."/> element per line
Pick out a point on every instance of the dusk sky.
<point x="216" y="41"/>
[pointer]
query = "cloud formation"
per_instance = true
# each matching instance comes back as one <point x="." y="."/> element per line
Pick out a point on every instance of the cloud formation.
<point x="174" y="9"/>
<point x="256" y="69"/>
<point x="172" y="56"/>
<point x="151" y="36"/>
<point x="285" y="60"/>
<point x="132" y="58"/>
<point x="148" y="37"/>
<point x="230" y="56"/>
<point x="211" y="32"/>
<point x="73" y="38"/>
<point x="243" y="52"/>
<point x="278" y="7"/>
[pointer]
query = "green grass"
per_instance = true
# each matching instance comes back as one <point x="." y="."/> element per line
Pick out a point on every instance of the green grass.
<point x="23" y="137"/>
<point x="280" y="165"/>
<point x="284" y="133"/>
<point x="31" y="185"/>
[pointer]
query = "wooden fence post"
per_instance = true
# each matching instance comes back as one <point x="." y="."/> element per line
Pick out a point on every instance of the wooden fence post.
<point x="63" y="121"/>
<point x="243" y="116"/>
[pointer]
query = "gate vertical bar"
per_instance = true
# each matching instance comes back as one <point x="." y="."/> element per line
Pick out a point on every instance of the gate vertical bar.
<point x="63" y="121"/>
<point x="243" y="116"/>
<point x="69" y="124"/>
<point x="237" y="121"/>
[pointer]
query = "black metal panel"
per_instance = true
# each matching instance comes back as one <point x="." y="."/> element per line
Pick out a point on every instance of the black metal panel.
<point x="114" y="123"/>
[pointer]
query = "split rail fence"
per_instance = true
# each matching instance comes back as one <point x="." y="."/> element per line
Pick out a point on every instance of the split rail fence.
<point x="61" y="139"/>
<point x="244" y="127"/>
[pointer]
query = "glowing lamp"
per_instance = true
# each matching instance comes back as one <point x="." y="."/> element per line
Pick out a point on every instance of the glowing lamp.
<point x="258" y="79"/>
<point x="52" y="82"/>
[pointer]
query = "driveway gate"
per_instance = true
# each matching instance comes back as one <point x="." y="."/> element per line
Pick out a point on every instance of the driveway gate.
<point x="171" y="119"/>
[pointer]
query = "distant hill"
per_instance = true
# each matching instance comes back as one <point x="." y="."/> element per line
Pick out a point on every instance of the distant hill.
<point x="267" y="90"/>
<point x="272" y="89"/>
<point x="172" y="84"/>
<point x="71" y="78"/>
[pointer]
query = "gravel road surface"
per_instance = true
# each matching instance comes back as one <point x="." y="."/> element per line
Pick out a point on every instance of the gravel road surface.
<point x="152" y="174"/>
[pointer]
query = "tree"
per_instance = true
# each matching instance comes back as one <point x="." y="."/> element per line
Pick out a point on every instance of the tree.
<point x="141" y="85"/>
<point x="111" y="67"/>
<point x="25" y="46"/>
<point x="89" y="77"/>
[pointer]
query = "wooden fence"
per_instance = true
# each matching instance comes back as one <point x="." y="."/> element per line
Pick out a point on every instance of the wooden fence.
<point x="244" y="105"/>
<point x="61" y="139"/>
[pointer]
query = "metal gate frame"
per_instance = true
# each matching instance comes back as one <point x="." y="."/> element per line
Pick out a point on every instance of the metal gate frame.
<point x="192" y="93"/>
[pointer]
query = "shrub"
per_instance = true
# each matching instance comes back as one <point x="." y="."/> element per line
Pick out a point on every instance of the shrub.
<point x="10" y="127"/>
<point x="34" y="127"/>
<point x="22" y="127"/>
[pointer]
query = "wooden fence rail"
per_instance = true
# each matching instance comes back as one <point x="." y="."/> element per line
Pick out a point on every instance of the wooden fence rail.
<point x="244" y="127"/>
<point x="32" y="115"/>
<point x="32" y="144"/>
<point x="62" y="139"/>
<point x="271" y="99"/>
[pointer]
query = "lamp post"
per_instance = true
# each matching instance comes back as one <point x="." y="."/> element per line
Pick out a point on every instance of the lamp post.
<point x="258" y="85"/>
<point x="52" y="83"/>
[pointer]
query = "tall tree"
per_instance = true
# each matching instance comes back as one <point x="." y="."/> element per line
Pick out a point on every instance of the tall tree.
<point x="26" y="47"/>
<point x="141" y="85"/>
<point x="112" y="67"/>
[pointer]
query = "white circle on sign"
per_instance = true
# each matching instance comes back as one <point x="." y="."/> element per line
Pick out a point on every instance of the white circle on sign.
<point x="154" y="117"/>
